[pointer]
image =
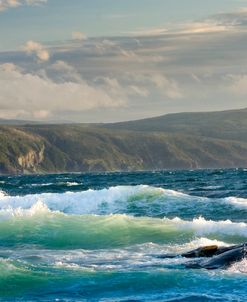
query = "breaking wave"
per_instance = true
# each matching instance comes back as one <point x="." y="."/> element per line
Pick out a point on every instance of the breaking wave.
<point x="139" y="200"/>
<point x="53" y="229"/>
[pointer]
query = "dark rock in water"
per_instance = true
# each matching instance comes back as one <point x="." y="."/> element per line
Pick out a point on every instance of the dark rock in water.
<point x="208" y="251"/>
<point x="220" y="257"/>
<point x="222" y="260"/>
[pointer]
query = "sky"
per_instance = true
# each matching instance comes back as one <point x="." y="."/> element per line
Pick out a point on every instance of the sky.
<point x="116" y="60"/>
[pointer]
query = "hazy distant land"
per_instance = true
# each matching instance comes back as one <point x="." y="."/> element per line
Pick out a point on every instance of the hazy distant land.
<point x="174" y="141"/>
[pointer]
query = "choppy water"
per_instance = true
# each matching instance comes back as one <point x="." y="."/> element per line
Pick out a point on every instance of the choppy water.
<point x="96" y="237"/>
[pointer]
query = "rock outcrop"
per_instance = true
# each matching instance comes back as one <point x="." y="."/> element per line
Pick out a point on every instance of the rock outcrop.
<point x="31" y="160"/>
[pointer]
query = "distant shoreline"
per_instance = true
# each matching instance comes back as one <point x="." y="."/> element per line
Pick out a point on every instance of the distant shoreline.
<point x="172" y="142"/>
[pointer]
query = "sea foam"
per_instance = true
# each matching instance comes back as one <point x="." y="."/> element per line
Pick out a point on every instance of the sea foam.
<point x="89" y="202"/>
<point x="200" y="226"/>
<point x="119" y="199"/>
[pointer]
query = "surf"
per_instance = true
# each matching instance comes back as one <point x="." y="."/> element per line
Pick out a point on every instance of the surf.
<point x="138" y="201"/>
<point x="54" y="229"/>
<point x="93" y="235"/>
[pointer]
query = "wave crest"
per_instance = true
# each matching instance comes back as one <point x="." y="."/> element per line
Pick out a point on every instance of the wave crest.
<point x="41" y="226"/>
<point x="139" y="200"/>
<point x="92" y="201"/>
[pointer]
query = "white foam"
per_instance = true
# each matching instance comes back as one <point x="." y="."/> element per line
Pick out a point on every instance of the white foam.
<point x="71" y="184"/>
<point x="114" y="200"/>
<point x="200" y="226"/>
<point x="239" y="267"/>
<point x="199" y="242"/>
<point x="38" y="208"/>
<point x="87" y="202"/>
<point x="237" y="201"/>
<point x="212" y="187"/>
<point x="2" y="194"/>
<point x="126" y="259"/>
<point x="42" y="185"/>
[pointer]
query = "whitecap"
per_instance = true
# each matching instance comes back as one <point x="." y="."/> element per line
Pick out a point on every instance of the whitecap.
<point x="90" y="201"/>
<point x="200" y="226"/>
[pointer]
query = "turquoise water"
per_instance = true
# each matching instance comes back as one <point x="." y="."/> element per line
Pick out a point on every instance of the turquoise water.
<point x="98" y="237"/>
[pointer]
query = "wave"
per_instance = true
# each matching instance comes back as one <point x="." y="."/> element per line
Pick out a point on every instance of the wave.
<point x="24" y="282"/>
<point x="237" y="201"/>
<point x="93" y="201"/>
<point x="201" y="226"/>
<point x="139" y="200"/>
<point x="124" y="259"/>
<point x="53" y="229"/>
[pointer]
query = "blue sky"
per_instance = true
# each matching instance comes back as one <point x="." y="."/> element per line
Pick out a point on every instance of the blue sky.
<point x="112" y="60"/>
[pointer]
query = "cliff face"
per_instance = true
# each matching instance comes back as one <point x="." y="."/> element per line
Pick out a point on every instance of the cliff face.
<point x="74" y="148"/>
<point x="31" y="161"/>
<point x="20" y="151"/>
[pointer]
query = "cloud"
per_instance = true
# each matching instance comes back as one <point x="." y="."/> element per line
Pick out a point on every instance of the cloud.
<point x="188" y="67"/>
<point x="113" y="86"/>
<point x="206" y="26"/>
<point x="238" y="84"/>
<point x="37" y="49"/>
<point x="7" y="4"/>
<point x="149" y="31"/>
<point x="210" y="26"/>
<point x="77" y="35"/>
<point x="29" y="95"/>
<point x="61" y="72"/>
<point x="146" y="84"/>
<point x="167" y="86"/>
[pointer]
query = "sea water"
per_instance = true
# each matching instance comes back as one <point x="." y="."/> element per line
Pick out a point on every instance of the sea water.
<point x="99" y="237"/>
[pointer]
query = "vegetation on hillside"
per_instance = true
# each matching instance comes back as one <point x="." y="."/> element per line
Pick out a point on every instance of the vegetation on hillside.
<point x="179" y="141"/>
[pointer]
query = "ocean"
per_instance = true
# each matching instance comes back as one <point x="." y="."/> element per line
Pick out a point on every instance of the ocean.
<point x="99" y="237"/>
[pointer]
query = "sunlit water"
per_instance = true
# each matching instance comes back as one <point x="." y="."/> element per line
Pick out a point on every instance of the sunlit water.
<point x="98" y="237"/>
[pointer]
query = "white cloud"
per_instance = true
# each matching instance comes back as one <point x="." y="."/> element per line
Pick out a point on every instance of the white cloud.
<point x="238" y="84"/>
<point x="156" y="82"/>
<point x="37" y="49"/>
<point x="210" y="26"/>
<point x="182" y="68"/>
<point x="167" y="86"/>
<point x="77" y="35"/>
<point x="61" y="71"/>
<point x="139" y="91"/>
<point x="149" y="31"/>
<point x="6" y="4"/>
<point x="28" y="95"/>
<point x="214" y="25"/>
<point x="113" y="86"/>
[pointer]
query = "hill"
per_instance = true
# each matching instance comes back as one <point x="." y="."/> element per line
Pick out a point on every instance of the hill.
<point x="17" y="122"/>
<point x="175" y="141"/>
<point x="231" y="124"/>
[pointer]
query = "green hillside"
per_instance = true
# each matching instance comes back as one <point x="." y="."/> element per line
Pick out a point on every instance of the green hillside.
<point x="178" y="141"/>
<point x="230" y="124"/>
